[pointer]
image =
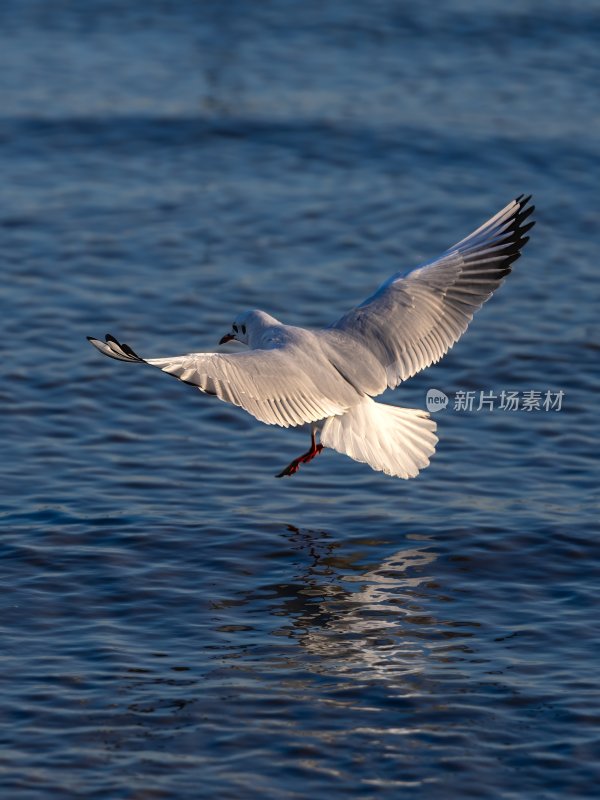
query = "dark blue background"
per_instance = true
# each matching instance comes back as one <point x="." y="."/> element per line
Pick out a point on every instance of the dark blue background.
<point x="175" y="622"/>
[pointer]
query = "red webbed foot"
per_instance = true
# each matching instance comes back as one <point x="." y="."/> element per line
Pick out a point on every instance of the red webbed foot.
<point x="294" y="466"/>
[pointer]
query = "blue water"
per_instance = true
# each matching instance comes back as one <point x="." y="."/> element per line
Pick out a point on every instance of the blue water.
<point x="176" y="623"/>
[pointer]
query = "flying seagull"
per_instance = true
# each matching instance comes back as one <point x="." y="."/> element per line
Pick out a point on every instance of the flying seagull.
<point x="328" y="378"/>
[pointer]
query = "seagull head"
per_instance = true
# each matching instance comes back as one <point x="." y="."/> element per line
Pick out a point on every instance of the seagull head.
<point x="239" y="330"/>
<point x="248" y="327"/>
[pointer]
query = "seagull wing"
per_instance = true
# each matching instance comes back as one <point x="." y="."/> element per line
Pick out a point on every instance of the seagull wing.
<point x="275" y="386"/>
<point x="414" y="318"/>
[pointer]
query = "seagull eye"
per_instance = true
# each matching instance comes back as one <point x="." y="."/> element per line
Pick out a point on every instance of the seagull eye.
<point x="244" y="329"/>
<point x="235" y="328"/>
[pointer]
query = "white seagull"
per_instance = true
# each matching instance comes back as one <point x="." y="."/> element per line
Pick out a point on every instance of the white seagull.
<point x="327" y="378"/>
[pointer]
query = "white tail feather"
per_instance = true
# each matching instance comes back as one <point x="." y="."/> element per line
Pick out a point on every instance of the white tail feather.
<point x="397" y="441"/>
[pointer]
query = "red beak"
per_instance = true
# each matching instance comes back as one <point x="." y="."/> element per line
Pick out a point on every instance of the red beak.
<point x="227" y="338"/>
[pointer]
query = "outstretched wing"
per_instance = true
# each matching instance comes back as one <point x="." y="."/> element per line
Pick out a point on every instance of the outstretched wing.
<point x="414" y="318"/>
<point x="273" y="385"/>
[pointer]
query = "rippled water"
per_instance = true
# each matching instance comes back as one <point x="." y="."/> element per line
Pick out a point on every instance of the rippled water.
<point x="175" y="622"/>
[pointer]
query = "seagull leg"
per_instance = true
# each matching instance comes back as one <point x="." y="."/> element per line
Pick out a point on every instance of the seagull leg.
<point x="315" y="449"/>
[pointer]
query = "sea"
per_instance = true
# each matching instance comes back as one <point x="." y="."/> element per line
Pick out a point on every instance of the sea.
<point x="175" y="622"/>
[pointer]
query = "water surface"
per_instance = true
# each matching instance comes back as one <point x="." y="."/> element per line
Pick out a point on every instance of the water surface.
<point x="175" y="622"/>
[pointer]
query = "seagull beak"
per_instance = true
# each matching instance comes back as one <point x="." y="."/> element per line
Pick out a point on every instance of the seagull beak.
<point x="227" y="338"/>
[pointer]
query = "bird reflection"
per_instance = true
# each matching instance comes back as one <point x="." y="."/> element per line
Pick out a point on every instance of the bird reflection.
<point x="349" y="616"/>
<point x="342" y="612"/>
<point x="363" y="613"/>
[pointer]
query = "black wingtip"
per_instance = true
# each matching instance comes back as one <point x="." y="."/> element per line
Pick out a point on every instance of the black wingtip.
<point x="525" y="212"/>
<point x="128" y="351"/>
<point x="528" y="227"/>
<point x="89" y="338"/>
<point x="522" y="200"/>
<point x="125" y="349"/>
<point x="518" y="226"/>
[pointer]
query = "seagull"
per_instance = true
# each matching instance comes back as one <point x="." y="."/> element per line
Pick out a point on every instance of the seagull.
<point x="327" y="378"/>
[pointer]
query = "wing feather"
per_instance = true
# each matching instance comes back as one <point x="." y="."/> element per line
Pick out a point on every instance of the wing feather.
<point x="414" y="318"/>
<point x="275" y="386"/>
